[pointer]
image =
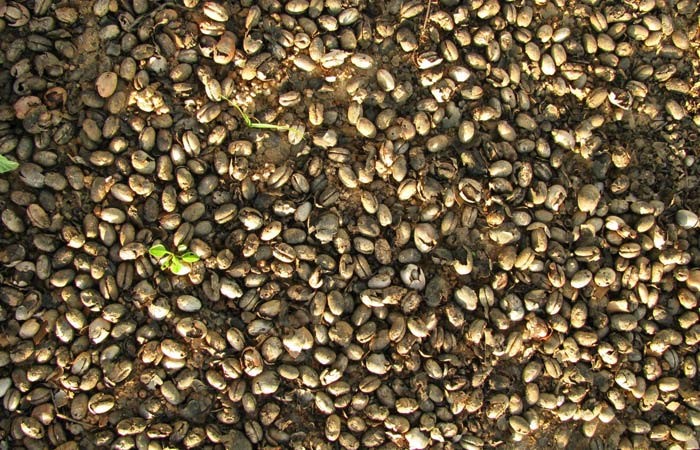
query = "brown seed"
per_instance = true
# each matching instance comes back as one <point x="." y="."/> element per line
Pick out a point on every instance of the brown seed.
<point x="106" y="84"/>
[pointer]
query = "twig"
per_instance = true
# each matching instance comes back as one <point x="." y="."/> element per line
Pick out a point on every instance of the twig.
<point x="64" y="417"/>
<point x="421" y="37"/>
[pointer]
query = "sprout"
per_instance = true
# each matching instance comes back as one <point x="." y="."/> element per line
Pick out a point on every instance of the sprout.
<point x="249" y="122"/>
<point x="178" y="263"/>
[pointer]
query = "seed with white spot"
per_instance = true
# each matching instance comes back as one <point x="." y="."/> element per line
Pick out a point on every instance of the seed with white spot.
<point x="385" y="80"/>
<point x="298" y="341"/>
<point x="605" y="277"/>
<point x="623" y="322"/>
<point x="625" y="379"/>
<point x="173" y="349"/>
<point x="271" y="230"/>
<point x="425" y="237"/>
<point x="686" y="219"/>
<point x="675" y="110"/>
<point x="366" y="128"/>
<point x="548" y="66"/>
<point x="466" y="131"/>
<point x="215" y="11"/>
<point x="266" y="383"/>
<point x="564" y="138"/>
<point x="588" y="198"/>
<point x="377" y="364"/>
<point x="506" y="131"/>
<point x="416" y="439"/>
<point x="519" y="424"/>
<point x="362" y="61"/>
<point x="413" y="277"/>
<point x="304" y="63"/>
<point x="437" y="143"/>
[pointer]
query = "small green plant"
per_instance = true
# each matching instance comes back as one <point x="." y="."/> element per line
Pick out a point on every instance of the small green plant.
<point x="7" y="165"/>
<point x="178" y="263"/>
<point x="257" y="124"/>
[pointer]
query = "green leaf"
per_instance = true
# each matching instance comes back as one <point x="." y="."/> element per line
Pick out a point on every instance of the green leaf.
<point x="177" y="268"/>
<point x="189" y="257"/>
<point x="158" y="250"/>
<point x="7" y="165"/>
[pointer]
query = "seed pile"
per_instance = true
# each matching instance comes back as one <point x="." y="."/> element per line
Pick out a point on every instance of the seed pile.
<point x="321" y="224"/>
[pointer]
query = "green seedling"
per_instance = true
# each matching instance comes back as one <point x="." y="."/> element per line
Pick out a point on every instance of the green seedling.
<point x="254" y="123"/>
<point x="178" y="263"/>
<point x="6" y="165"/>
